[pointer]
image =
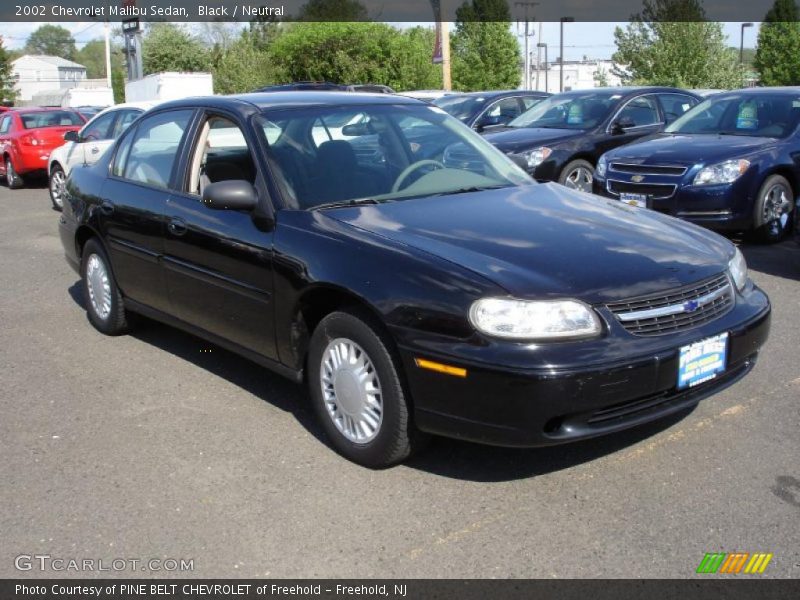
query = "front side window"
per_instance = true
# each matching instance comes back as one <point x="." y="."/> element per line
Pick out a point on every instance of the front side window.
<point x="639" y="112"/>
<point x="461" y="107"/>
<point x="574" y="110"/>
<point x="505" y="109"/>
<point x="124" y="120"/>
<point x="150" y="154"/>
<point x="760" y="115"/>
<point x="675" y="105"/>
<point x="221" y="154"/>
<point x="380" y="152"/>
<point x="99" y="128"/>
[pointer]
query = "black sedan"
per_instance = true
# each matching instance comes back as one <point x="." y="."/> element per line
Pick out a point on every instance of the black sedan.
<point x="421" y="293"/>
<point x="561" y="138"/>
<point x="484" y="111"/>
<point x="730" y="164"/>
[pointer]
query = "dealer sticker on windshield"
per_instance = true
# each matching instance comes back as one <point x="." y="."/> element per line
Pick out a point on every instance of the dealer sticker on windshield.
<point x="702" y="361"/>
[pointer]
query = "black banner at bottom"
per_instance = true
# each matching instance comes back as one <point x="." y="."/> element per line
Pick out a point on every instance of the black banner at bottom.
<point x="466" y="589"/>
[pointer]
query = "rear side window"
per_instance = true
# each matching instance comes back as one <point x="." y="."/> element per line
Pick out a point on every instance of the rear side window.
<point x="5" y="124"/>
<point x="149" y="155"/>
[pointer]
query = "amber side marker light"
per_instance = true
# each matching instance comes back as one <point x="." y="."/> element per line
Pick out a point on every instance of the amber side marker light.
<point x="440" y="368"/>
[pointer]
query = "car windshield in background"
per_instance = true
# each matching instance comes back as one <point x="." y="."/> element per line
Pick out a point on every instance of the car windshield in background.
<point x="569" y="111"/>
<point x="461" y="107"/>
<point x="757" y="115"/>
<point x="50" y="118"/>
<point x="379" y="153"/>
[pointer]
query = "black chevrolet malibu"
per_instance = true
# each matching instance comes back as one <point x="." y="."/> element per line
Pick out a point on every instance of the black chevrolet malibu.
<point x="561" y="137"/>
<point x="449" y="294"/>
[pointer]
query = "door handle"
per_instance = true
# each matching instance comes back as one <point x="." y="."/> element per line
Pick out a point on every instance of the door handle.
<point x="107" y="208"/>
<point x="95" y="149"/>
<point x="177" y="226"/>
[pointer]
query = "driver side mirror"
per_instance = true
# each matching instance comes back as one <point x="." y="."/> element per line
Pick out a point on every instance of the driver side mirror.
<point x="233" y="194"/>
<point x="72" y="136"/>
<point x="621" y="124"/>
<point x="489" y="121"/>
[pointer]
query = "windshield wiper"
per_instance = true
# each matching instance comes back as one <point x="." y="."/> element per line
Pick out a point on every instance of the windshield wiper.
<point x="345" y="203"/>
<point x="474" y="188"/>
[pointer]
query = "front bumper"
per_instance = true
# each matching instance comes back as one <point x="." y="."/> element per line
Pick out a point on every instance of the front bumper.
<point x="545" y="405"/>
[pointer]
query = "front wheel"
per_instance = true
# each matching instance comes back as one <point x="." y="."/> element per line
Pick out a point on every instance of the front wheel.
<point x="772" y="218"/>
<point x="357" y="393"/>
<point x="102" y="297"/>
<point x="578" y="175"/>
<point x="58" y="185"/>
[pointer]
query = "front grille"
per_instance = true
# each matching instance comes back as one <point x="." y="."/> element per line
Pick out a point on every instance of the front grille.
<point x="653" y="190"/>
<point x="677" y="310"/>
<point x="676" y="171"/>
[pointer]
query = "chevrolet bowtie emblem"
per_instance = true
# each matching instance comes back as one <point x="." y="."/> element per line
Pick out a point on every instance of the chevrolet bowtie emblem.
<point x="637" y="178"/>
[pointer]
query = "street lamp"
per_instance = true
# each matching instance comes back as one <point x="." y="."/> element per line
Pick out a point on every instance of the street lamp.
<point x="741" y="43"/>
<point x="546" y="66"/>
<point x="561" y="44"/>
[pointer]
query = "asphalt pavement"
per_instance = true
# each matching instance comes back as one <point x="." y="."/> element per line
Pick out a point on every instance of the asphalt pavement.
<point x="158" y="445"/>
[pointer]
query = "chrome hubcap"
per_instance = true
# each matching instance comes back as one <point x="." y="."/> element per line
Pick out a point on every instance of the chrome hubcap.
<point x="99" y="286"/>
<point x="57" y="182"/>
<point x="579" y="179"/>
<point x="777" y="207"/>
<point x="10" y="175"/>
<point x="351" y="391"/>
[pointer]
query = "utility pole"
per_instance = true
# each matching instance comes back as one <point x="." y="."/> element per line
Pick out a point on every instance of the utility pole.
<point x="526" y="6"/>
<point x="108" y="53"/>
<point x="447" y="83"/>
<point x="561" y="48"/>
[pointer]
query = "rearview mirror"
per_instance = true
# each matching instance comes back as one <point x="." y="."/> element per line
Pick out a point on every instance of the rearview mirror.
<point x="72" y="136"/>
<point x="234" y="194"/>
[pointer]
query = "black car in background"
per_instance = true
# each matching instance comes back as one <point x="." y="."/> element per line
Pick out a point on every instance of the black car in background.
<point x="420" y="293"/>
<point x="730" y="164"/>
<point x="487" y="110"/>
<point x="561" y="138"/>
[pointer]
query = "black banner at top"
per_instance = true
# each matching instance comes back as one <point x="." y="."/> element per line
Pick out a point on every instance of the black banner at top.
<point x="382" y="10"/>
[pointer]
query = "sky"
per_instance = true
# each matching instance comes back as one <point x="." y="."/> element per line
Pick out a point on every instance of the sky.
<point x="594" y="40"/>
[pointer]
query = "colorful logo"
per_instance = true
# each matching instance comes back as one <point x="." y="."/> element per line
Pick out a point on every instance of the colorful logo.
<point x="734" y="562"/>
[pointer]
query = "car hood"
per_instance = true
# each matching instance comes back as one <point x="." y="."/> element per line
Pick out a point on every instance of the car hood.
<point x="689" y="149"/>
<point x="518" y="139"/>
<point x="545" y="241"/>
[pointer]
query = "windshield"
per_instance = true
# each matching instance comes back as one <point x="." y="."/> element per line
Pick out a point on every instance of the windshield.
<point x="759" y="115"/>
<point x="569" y="111"/>
<point x="50" y="118"/>
<point x="461" y="107"/>
<point x="379" y="153"/>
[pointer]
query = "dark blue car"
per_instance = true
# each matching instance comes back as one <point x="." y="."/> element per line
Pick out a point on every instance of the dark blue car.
<point x="729" y="164"/>
<point x="488" y="110"/>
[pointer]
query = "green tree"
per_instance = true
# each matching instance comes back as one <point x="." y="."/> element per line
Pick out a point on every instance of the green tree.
<point x="347" y="52"/>
<point x="169" y="47"/>
<point x="777" y="57"/>
<point x="485" y="54"/>
<point x="244" y="66"/>
<point x="332" y="10"/>
<point x="8" y="93"/>
<point x="671" y="43"/>
<point x="93" y="57"/>
<point x="52" y="40"/>
<point x="118" y="84"/>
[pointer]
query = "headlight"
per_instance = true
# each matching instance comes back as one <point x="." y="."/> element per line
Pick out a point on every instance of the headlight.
<point x="600" y="169"/>
<point x="724" y="172"/>
<point x="534" y="320"/>
<point x="737" y="267"/>
<point x="536" y="156"/>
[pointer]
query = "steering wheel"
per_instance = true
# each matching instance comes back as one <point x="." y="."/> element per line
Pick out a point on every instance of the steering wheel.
<point x="413" y="167"/>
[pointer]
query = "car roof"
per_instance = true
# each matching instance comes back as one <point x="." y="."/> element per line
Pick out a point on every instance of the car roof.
<point x="494" y="93"/>
<point x="755" y="91"/>
<point x="626" y="90"/>
<point x="32" y="109"/>
<point x="291" y="99"/>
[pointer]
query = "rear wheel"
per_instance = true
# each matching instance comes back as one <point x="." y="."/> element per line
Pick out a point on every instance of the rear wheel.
<point x="101" y="295"/>
<point x="58" y="183"/>
<point x="357" y="393"/>
<point x="577" y="175"/>
<point x="772" y="217"/>
<point x="13" y="179"/>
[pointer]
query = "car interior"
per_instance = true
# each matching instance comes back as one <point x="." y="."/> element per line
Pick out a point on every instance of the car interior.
<point x="222" y="154"/>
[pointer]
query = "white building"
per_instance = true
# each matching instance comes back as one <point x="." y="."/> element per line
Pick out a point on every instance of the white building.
<point x="578" y="75"/>
<point x="35" y="73"/>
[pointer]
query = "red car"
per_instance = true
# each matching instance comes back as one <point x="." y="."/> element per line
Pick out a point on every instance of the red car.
<point x="29" y="135"/>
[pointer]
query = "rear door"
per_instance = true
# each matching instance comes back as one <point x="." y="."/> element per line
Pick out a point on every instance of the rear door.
<point x="218" y="263"/>
<point x="134" y="200"/>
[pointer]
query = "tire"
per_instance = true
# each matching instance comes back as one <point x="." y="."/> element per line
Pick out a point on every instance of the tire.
<point x="56" y="187"/>
<point x="102" y="297"/>
<point x="13" y="179"/>
<point x="772" y="213"/>
<point x="577" y="175"/>
<point x="382" y="419"/>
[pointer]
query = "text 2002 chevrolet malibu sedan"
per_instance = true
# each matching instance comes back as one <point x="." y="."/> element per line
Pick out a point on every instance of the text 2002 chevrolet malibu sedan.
<point x="419" y="283"/>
